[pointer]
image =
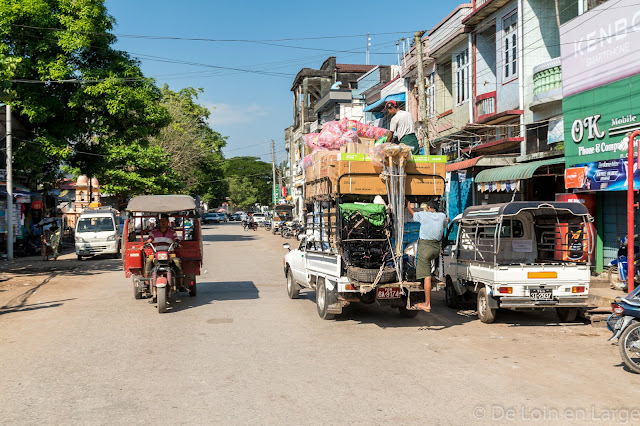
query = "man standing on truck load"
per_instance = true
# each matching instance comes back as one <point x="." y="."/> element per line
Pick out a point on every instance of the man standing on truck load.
<point x="402" y="127"/>
<point x="432" y="225"/>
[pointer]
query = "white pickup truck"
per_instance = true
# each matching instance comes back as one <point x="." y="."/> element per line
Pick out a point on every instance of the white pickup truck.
<point x="520" y="255"/>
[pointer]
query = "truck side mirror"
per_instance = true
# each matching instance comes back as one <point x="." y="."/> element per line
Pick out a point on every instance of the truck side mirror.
<point x="287" y="246"/>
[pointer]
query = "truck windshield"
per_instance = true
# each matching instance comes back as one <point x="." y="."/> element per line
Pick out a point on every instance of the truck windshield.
<point x="95" y="224"/>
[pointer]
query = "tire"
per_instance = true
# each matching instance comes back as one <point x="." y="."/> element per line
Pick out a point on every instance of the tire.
<point x="137" y="294"/>
<point x="364" y="275"/>
<point x="162" y="299"/>
<point x="567" y="314"/>
<point x="293" y="290"/>
<point x="407" y="313"/>
<point x="452" y="299"/>
<point x="193" y="289"/>
<point x="614" y="279"/>
<point x="486" y="314"/>
<point x="323" y="299"/>
<point x="631" y="336"/>
<point x="79" y="257"/>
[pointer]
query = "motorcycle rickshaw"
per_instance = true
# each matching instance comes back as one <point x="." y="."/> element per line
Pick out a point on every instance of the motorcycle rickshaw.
<point x="166" y="278"/>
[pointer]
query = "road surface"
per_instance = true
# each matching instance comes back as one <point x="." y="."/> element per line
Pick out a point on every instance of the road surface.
<point x="76" y="347"/>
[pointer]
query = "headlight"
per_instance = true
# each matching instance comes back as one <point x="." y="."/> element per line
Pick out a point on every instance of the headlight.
<point x="80" y="240"/>
<point x="411" y="249"/>
<point x="163" y="255"/>
<point x="111" y="238"/>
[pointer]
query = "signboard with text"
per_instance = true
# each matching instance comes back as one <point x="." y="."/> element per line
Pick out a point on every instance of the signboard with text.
<point x="607" y="175"/>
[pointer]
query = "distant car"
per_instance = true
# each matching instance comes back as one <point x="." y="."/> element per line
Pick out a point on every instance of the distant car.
<point x="236" y="217"/>
<point x="210" y="218"/>
<point x="223" y="217"/>
<point x="259" y="217"/>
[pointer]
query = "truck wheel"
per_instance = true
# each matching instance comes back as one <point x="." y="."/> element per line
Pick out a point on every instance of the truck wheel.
<point x="567" y="314"/>
<point x="162" y="299"/>
<point x="193" y="289"/>
<point x="293" y="290"/>
<point x="486" y="314"/>
<point x="407" y="313"/>
<point x="323" y="299"/>
<point x="137" y="294"/>
<point x="629" y="347"/>
<point x="452" y="298"/>
<point x="79" y="257"/>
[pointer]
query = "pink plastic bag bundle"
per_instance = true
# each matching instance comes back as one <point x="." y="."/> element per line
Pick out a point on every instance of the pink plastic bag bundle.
<point x="330" y="133"/>
<point x="375" y="132"/>
<point x="311" y="140"/>
<point x="346" y="124"/>
<point x="350" y="136"/>
<point x="307" y="161"/>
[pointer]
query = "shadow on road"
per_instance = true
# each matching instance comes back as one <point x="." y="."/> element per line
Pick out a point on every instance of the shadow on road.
<point x="209" y="292"/>
<point x="19" y="302"/>
<point x="33" y="266"/>
<point x="221" y="237"/>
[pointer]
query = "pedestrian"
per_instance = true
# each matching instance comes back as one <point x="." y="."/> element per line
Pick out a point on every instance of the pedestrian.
<point x="402" y="127"/>
<point x="432" y="225"/>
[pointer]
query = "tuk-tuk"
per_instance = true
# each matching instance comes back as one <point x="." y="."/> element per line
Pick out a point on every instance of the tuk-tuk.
<point x="143" y="213"/>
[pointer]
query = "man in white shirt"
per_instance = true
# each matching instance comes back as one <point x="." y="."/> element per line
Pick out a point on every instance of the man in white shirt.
<point x="402" y="127"/>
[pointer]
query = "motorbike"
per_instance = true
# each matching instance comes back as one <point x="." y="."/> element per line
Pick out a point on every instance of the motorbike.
<point x="267" y="225"/>
<point x="617" y="271"/>
<point x="291" y="229"/>
<point x="624" y="323"/>
<point x="165" y="280"/>
<point x="246" y="225"/>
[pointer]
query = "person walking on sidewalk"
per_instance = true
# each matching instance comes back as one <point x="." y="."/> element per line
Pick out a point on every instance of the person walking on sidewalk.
<point x="402" y="127"/>
<point x="432" y="225"/>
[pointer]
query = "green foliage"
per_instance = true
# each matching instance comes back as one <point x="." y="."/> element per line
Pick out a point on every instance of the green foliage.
<point x="256" y="177"/>
<point x="194" y="148"/>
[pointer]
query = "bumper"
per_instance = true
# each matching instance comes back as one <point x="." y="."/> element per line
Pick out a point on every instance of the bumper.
<point x="109" y="247"/>
<point x="559" y="302"/>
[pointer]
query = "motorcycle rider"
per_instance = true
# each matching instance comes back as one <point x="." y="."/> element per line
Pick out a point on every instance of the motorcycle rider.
<point x="162" y="237"/>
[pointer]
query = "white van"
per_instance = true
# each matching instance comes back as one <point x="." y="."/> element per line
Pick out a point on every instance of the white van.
<point x="98" y="232"/>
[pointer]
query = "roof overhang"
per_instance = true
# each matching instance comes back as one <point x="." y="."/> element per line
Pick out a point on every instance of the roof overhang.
<point x="516" y="171"/>
<point x="483" y="12"/>
<point x="331" y="98"/>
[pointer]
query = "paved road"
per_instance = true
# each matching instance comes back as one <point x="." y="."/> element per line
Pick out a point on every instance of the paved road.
<point x="77" y="348"/>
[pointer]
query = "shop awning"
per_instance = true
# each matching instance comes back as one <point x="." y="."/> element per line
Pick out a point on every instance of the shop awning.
<point x="515" y="172"/>
<point x="398" y="97"/>
<point x="464" y="164"/>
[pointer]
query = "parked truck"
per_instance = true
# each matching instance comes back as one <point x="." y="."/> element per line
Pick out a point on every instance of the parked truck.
<point x="356" y="250"/>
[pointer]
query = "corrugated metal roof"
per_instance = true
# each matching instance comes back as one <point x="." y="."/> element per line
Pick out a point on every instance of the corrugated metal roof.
<point x="515" y="172"/>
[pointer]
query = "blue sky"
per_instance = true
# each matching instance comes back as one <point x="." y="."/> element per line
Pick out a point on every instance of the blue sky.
<point x="253" y="107"/>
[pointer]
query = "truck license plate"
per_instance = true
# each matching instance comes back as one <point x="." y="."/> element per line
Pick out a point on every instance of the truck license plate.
<point x="541" y="294"/>
<point x="389" y="293"/>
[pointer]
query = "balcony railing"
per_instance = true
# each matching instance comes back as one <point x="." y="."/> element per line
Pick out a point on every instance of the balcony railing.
<point x="547" y="76"/>
<point x="486" y="104"/>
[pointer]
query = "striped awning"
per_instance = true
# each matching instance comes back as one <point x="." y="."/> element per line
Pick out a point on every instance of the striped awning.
<point x="515" y="172"/>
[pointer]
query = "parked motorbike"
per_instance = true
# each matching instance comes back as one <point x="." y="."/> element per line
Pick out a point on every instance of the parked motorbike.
<point x="267" y="225"/>
<point x="246" y="225"/>
<point x="617" y="271"/>
<point x="164" y="280"/>
<point x="624" y="323"/>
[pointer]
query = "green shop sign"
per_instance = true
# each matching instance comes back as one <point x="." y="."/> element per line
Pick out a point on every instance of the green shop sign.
<point x="596" y="121"/>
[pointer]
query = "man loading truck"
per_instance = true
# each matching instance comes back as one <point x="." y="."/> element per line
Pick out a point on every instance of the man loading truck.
<point x="432" y="226"/>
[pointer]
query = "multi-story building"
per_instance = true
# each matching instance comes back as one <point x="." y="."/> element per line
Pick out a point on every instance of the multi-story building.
<point x="601" y="86"/>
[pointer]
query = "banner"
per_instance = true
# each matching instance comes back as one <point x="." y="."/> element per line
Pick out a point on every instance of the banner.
<point x="608" y="175"/>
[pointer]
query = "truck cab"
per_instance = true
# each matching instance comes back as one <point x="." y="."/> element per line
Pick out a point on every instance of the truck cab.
<point x="98" y="232"/>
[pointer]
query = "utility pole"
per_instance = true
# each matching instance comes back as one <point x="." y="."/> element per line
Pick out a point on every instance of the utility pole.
<point x="421" y="91"/>
<point x="9" y="212"/>
<point x="273" y="168"/>
<point x="368" y="44"/>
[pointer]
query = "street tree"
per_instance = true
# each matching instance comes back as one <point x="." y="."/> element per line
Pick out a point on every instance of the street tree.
<point x="194" y="148"/>
<point x="256" y="174"/>
<point x="83" y="103"/>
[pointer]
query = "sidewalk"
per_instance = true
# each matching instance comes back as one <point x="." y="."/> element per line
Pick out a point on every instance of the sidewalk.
<point x="25" y="268"/>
